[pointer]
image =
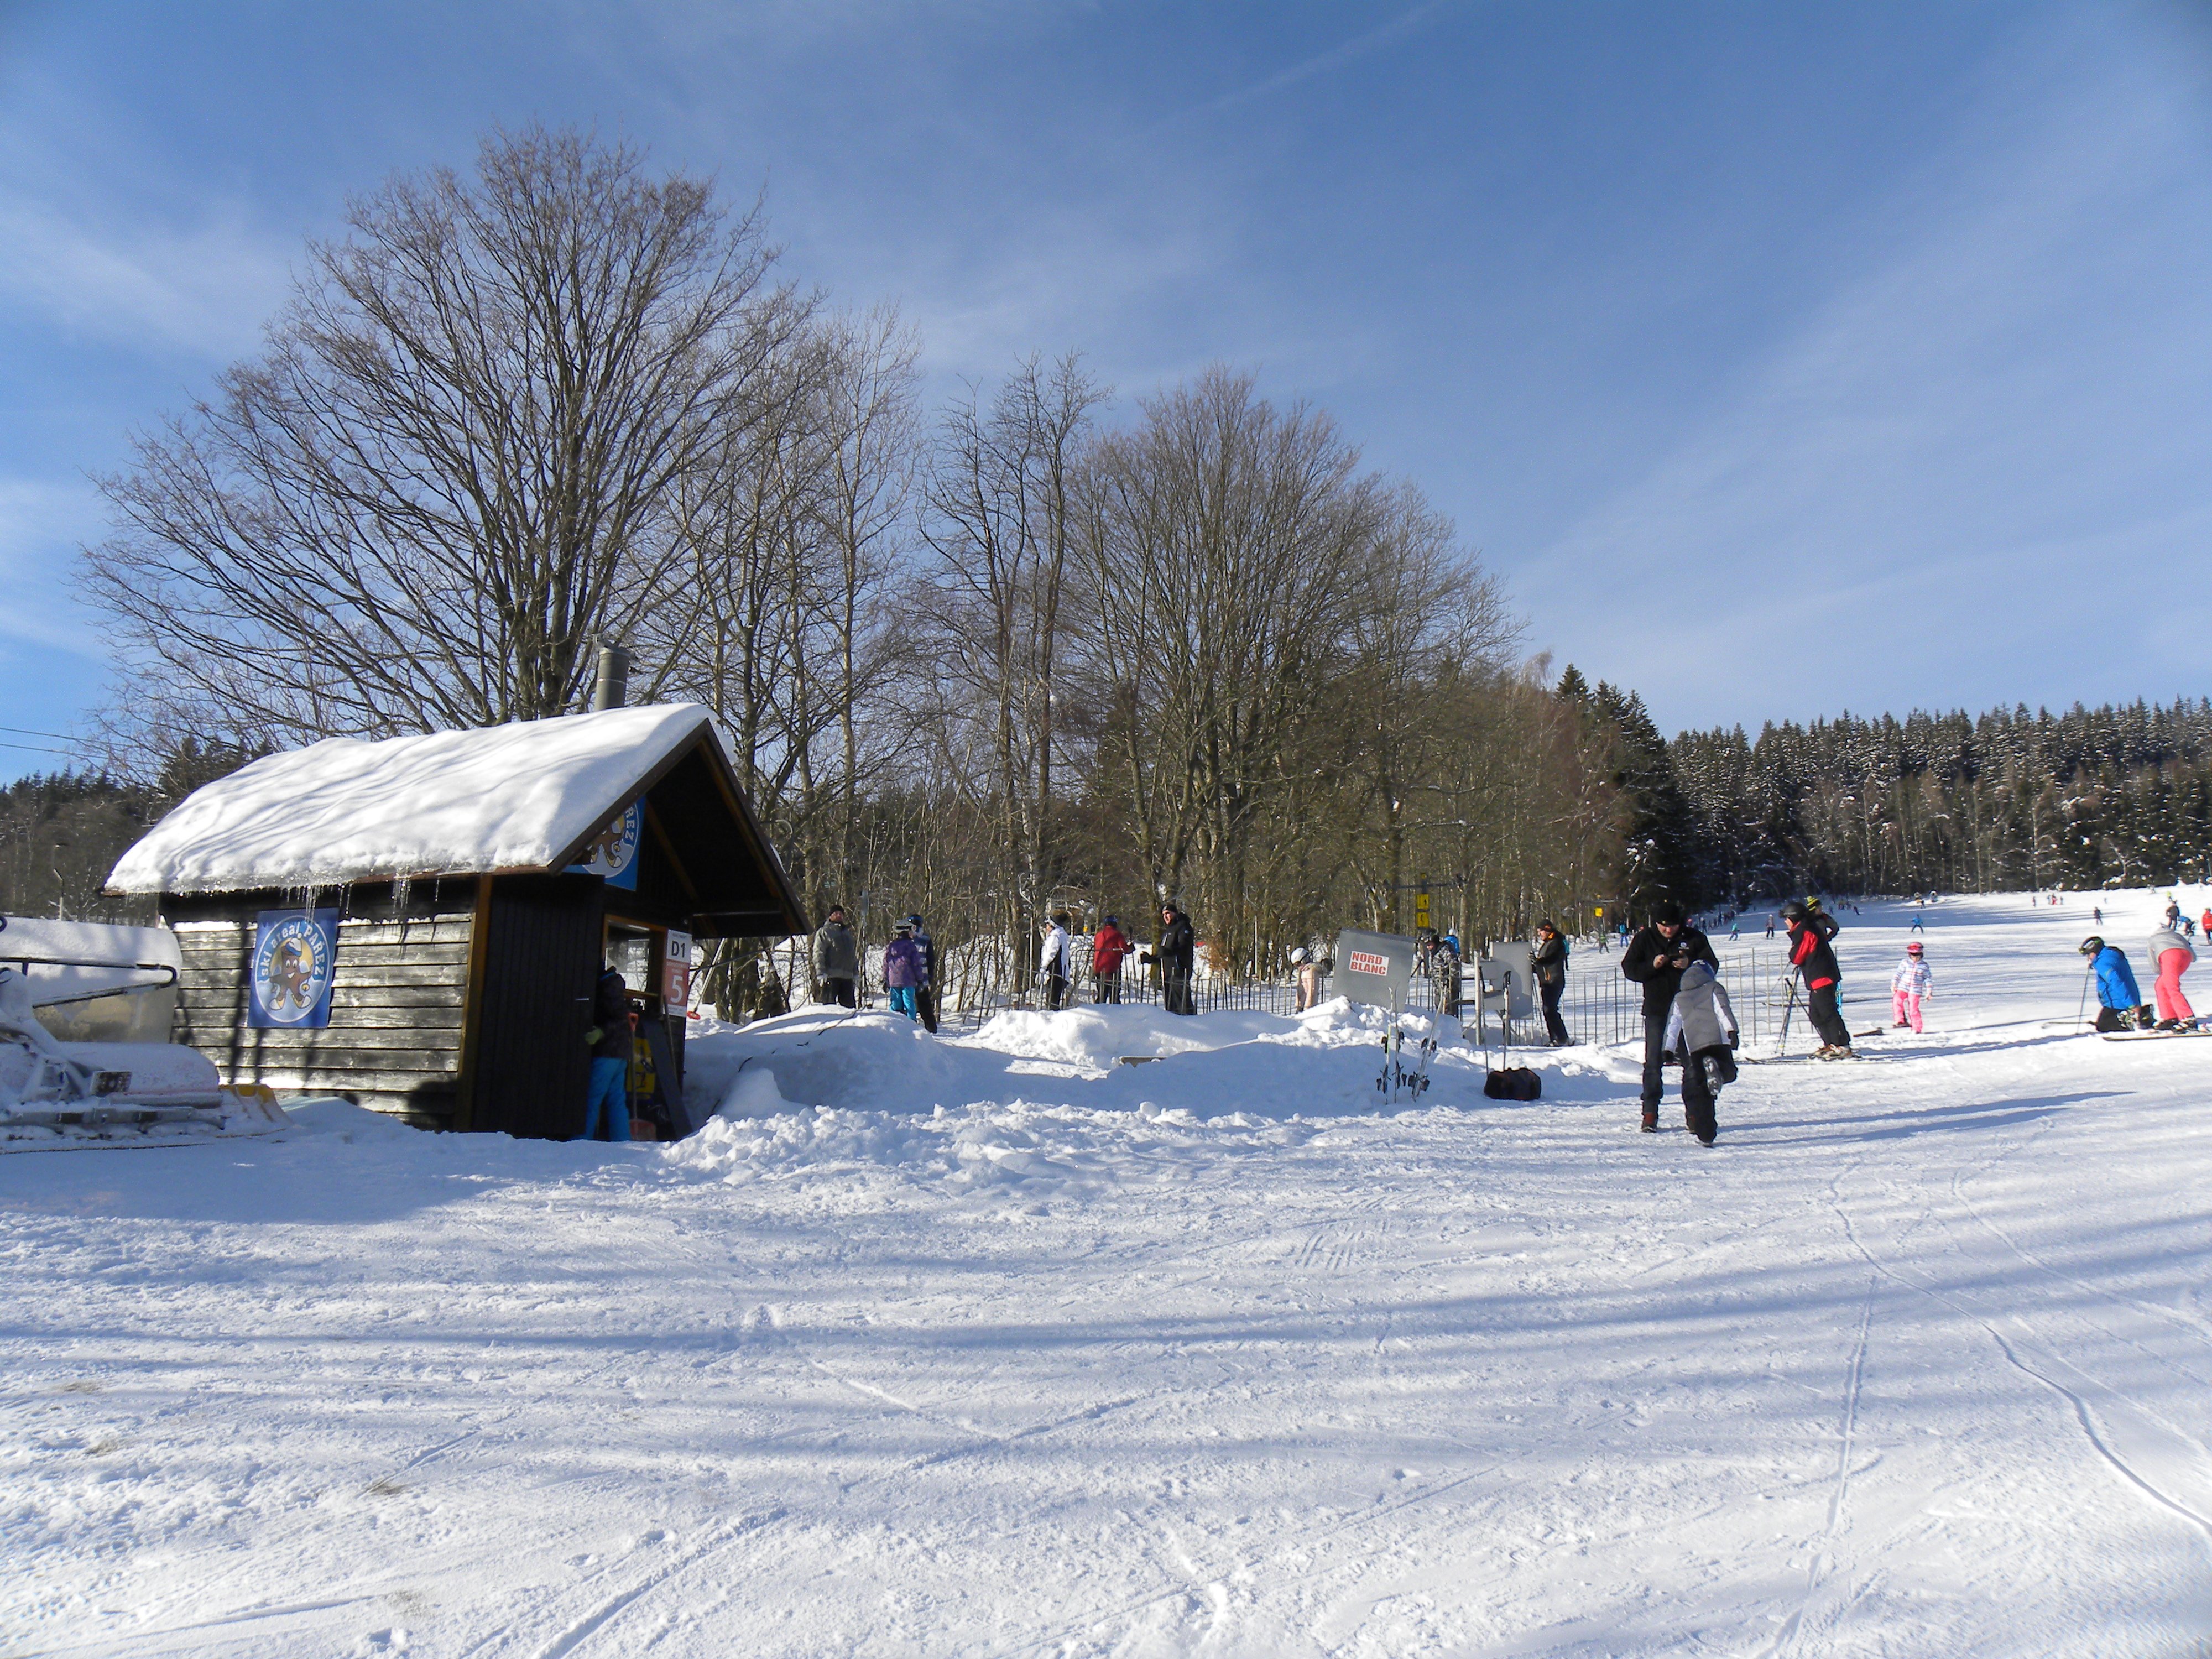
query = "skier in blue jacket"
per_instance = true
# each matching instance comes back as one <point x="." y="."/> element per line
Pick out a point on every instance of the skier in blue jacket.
<point x="2119" y="1001"/>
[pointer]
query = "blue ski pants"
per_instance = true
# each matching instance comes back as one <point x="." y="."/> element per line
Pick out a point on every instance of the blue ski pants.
<point x="609" y="1093"/>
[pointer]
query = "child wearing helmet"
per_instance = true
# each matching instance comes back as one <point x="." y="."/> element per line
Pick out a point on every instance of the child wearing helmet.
<point x="1908" y="985"/>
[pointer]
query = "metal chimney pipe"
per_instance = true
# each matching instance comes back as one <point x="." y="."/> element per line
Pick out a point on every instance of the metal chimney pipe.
<point x="612" y="689"/>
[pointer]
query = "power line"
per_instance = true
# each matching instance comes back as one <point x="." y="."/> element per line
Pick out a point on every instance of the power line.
<point x="34" y="748"/>
<point x="27" y="732"/>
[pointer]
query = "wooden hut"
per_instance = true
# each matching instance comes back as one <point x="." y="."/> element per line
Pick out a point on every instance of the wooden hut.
<point x="473" y="883"/>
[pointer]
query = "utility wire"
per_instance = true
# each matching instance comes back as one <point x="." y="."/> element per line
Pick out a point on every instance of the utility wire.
<point x="27" y="732"/>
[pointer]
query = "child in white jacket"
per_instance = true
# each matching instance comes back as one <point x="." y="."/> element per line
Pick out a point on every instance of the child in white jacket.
<point x="1908" y="985"/>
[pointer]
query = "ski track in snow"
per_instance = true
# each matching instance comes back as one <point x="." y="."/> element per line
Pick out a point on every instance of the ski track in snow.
<point x="1210" y="1356"/>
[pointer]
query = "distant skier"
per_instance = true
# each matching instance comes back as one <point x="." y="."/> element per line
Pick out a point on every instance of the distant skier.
<point x="1909" y="986"/>
<point x="2097" y="915"/>
<point x="2171" y="956"/>
<point x="2119" y="1003"/>
<point x="1177" y="955"/>
<point x="1736" y="929"/>
<point x="925" y="994"/>
<point x="902" y="972"/>
<point x="2172" y="912"/>
<point x="1916" y="927"/>
<point x="1815" y="963"/>
<point x="1769" y="924"/>
<point x="1547" y="961"/>
<point x="1054" y="962"/>
<point x="1702" y="1032"/>
<point x="1109" y="948"/>
<point x="1444" y="967"/>
<point x="2206" y="920"/>
<point x="837" y="961"/>
<point x="1655" y="959"/>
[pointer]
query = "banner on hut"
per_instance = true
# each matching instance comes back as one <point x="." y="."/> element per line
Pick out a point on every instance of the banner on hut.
<point x="1373" y="968"/>
<point x="295" y="960"/>
<point x="613" y="854"/>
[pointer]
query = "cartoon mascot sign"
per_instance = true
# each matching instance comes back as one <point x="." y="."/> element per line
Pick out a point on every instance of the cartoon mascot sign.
<point x="295" y="958"/>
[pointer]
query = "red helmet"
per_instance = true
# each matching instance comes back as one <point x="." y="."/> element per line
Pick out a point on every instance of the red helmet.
<point x="1913" y="949"/>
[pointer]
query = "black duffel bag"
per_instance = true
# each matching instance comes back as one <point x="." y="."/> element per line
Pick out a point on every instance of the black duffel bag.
<point x="1514" y="1083"/>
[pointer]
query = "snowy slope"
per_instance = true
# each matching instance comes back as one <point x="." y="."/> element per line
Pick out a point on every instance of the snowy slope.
<point x="1018" y="1351"/>
<point x="506" y="797"/>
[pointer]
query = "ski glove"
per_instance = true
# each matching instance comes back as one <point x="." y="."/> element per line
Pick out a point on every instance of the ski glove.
<point x="594" y="1035"/>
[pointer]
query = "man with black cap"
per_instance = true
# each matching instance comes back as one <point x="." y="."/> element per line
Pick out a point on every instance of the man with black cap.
<point x="1811" y="955"/>
<point x="1655" y="959"/>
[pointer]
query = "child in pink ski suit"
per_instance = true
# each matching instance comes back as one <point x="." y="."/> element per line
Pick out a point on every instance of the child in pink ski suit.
<point x="1908" y="985"/>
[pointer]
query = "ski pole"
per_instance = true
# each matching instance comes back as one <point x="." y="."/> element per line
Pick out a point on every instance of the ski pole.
<point x="1782" y="1042"/>
<point x="2081" y="1007"/>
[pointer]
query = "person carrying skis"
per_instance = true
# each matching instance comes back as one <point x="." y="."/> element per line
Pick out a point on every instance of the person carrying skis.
<point x="1109" y="947"/>
<point x="925" y="994"/>
<point x="1908" y="985"/>
<point x="1055" y="962"/>
<point x="1655" y="959"/>
<point x="902" y="972"/>
<point x="837" y="961"/>
<point x="1815" y="963"/>
<point x="1548" y="963"/>
<point x="2118" y="1002"/>
<point x="1701" y="1033"/>
<point x="2171" y="956"/>
<point x="1177" y="954"/>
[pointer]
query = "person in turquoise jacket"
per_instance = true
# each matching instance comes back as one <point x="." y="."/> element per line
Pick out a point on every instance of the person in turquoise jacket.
<point x="2118" y="1002"/>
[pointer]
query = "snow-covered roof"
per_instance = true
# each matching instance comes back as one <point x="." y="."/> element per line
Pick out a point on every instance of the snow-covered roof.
<point x="517" y="797"/>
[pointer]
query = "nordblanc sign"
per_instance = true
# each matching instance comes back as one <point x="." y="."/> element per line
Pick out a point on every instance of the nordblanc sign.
<point x="1373" y="968"/>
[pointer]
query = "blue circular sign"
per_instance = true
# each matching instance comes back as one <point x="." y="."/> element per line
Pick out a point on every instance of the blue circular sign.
<point x="292" y="968"/>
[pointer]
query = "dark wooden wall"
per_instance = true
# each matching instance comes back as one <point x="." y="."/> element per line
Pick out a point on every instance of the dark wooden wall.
<point x="530" y="1065"/>
<point x="394" y="1039"/>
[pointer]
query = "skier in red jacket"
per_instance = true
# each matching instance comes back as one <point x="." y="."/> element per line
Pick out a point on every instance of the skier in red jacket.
<point x="1815" y="963"/>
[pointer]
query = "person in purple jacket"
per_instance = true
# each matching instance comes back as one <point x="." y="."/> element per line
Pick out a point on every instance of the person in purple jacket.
<point x="904" y="972"/>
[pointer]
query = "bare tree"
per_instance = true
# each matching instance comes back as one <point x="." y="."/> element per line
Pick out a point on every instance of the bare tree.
<point x="455" y="462"/>
<point x="1001" y="499"/>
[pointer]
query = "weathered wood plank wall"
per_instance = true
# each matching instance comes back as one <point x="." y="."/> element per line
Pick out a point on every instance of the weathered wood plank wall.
<point x="394" y="1039"/>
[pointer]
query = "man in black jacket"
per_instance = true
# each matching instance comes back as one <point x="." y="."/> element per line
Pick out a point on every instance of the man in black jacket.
<point x="1655" y="959"/>
<point x="1176" y="953"/>
<point x="1814" y="959"/>
<point x="1548" y="962"/>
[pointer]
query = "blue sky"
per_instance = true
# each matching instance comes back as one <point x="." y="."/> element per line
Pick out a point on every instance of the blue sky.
<point x="1782" y="359"/>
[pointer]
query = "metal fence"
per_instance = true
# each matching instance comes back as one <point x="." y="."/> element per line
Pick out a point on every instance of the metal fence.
<point x="1599" y="1004"/>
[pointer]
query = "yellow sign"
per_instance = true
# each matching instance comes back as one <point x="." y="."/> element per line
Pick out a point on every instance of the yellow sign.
<point x="1599" y="912"/>
<point x="1420" y="909"/>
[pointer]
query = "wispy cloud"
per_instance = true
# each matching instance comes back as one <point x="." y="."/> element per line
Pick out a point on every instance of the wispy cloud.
<point x="204" y="288"/>
<point x="2004" y="393"/>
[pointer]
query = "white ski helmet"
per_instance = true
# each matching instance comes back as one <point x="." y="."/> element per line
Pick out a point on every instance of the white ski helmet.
<point x="1298" y="954"/>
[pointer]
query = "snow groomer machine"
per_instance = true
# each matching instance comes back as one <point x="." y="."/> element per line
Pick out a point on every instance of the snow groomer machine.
<point x="86" y="1010"/>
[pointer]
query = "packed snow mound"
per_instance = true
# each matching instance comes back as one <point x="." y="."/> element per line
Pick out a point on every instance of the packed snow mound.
<point x="342" y="1119"/>
<point x="1099" y="1034"/>
<point x="830" y="1057"/>
<point x="1325" y="1063"/>
<point x="520" y="796"/>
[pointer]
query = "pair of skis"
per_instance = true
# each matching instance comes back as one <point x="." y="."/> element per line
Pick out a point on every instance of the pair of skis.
<point x="1399" y="1075"/>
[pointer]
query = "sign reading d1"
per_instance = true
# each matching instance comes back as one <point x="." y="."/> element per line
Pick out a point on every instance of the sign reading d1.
<point x="1373" y="968"/>
<point x="295" y="963"/>
<point x="614" y="853"/>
